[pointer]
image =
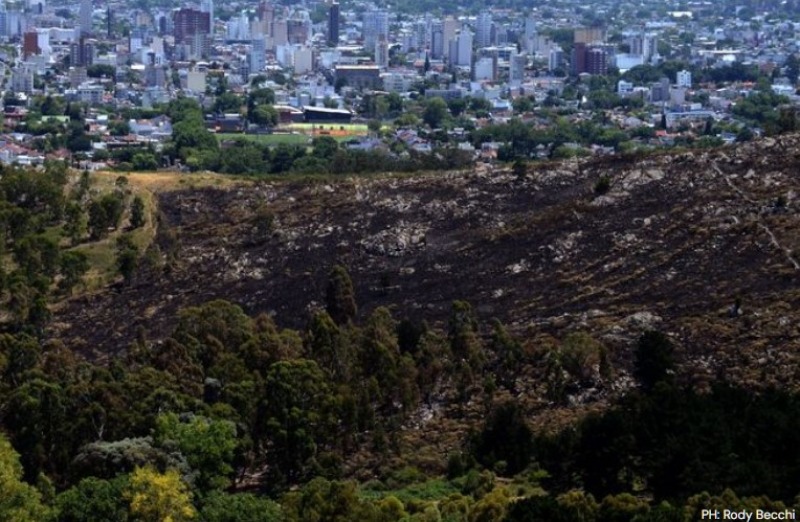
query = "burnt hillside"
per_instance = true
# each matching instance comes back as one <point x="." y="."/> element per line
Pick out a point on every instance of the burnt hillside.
<point x="673" y="243"/>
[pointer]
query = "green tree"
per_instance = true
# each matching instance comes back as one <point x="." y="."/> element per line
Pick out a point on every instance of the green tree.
<point x="138" y="217"/>
<point x="227" y="103"/>
<point x="75" y="222"/>
<point x="74" y="265"/>
<point x="127" y="257"/>
<point x="19" y="501"/>
<point x="240" y="507"/>
<point x="463" y="335"/>
<point x="298" y="419"/>
<point x="208" y="446"/>
<point x="159" y="497"/>
<point x="94" y="500"/>
<point x="327" y="501"/>
<point x="340" y="301"/>
<point x="435" y="112"/>
<point x="506" y="442"/>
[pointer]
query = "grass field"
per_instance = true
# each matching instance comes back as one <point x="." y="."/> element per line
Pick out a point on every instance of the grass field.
<point x="276" y="139"/>
<point x="101" y="254"/>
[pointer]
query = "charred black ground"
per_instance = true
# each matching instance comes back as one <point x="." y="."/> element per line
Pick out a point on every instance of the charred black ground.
<point x="673" y="244"/>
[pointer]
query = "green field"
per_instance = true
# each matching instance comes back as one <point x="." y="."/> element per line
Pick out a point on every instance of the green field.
<point x="352" y="128"/>
<point x="268" y="139"/>
<point x="276" y="139"/>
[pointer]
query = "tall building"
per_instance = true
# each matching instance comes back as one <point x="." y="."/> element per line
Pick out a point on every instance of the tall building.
<point x="207" y="6"/>
<point x="578" y="58"/>
<point x="529" y="38"/>
<point x="376" y="25"/>
<point x="516" y="68"/>
<point x="238" y="27"/>
<point x="81" y="54"/>
<point x="382" y="54"/>
<point x="685" y="79"/>
<point x="30" y="44"/>
<point x="460" y="49"/>
<point x="279" y="33"/>
<point x="298" y="27"/>
<point x="22" y="78"/>
<point x="3" y="20"/>
<point x="449" y="28"/>
<point x="555" y="59"/>
<point x="188" y="22"/>
<point x="485" y="69"/>
<point x="85" y="16"/>
<point x="644" y="45"/>
<point x="109" y="22"/>
<point x="257" y="59"/>
<point x="589" y="35"/>
<point x="483" y="29"/>
<point x="596" y="60"/>
<point x="437" y="41"/>
<point x="333" y="24"/>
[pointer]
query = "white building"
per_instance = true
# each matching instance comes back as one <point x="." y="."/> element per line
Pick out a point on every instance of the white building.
<point x="485" y="69"/>
<point x="91" y="93"/>
<point x="196" y="81"/>
<point x="257" y="59"/>
<point x="376" y="26"/>
<point x="22" y="78"/>
<point x="555" y="59"/>
<point x="303" y="60"/>
<point x="461" y="49"/>
<point x="685" y="79"/>
<point x="397" y="82"/>
<point x="516" y="68"/>
<point x="382" y="54"/>
<point x="483" y="29"/>
<point x="85" y="16"/>
<point x="239" y="27"/>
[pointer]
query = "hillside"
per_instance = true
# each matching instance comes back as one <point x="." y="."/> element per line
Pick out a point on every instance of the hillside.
<point x="675" y="241"/>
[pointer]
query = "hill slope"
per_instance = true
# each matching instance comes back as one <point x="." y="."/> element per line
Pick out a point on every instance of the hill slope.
<point x="673" y="243"/>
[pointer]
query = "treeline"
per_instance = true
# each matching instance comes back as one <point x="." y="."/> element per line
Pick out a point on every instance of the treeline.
<point x="225" y="397"/>
<point x="175" y="429"/>
<point x="197" y="148"/>
<point x="43" y="218"/>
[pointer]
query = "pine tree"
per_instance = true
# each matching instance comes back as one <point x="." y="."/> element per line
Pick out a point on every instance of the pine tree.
<point x="340" y="298"/>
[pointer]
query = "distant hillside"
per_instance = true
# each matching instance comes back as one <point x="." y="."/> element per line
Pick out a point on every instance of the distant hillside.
<point x="674" y="242"/>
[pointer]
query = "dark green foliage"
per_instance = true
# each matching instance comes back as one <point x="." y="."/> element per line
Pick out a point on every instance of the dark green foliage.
<point x="100" y="71"/>
<point x="536" y="509"/>
<point x="679" y="443"/>
<point x="212" y="328"/>
<point x="208" y="446"/>
<point x="435" y="112"/>
<point x="104" y="214"/>
<point x="127" y="257"/>
<point x="654" y="359"/>
<point x="602" y="186"/>
<point x="241" y="507"/>
<point x="75" y="222"/>
<point x="138" y="217"/>
<point x="94" y="500"/>
<point x="340" y="301"/>
<point x="506" y="442"/>
<point x="463" y="336"/>
<point x="297" y="420"/>
<point x="106" y="460"/>
<point x="74" y="265"/>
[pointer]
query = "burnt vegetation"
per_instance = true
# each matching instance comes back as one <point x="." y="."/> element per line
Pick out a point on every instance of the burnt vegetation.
<point x="499" y="344"/>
